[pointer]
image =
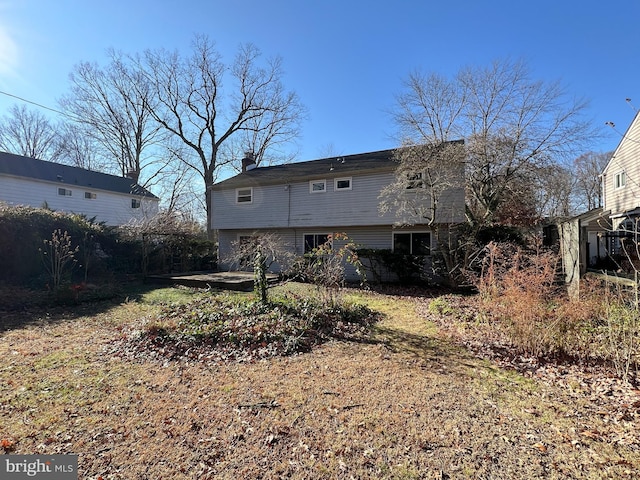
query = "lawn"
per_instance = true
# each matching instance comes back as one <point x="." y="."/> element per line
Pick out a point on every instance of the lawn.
<point x="404" y="401"/>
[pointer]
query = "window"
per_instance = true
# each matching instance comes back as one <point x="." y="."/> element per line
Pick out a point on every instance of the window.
<point x="244" y="195"/>
<point x="620" y="179"/>
<point x="415" y="180"/>
<point x="135" y="203"/>
<point x="90" y="195"/>
<point x="64" y="192"/>
<point x="315" y="240"/>
<point x="317" y="186"/>
<point x="342" y="183"/>
<point x="413" y="243"/>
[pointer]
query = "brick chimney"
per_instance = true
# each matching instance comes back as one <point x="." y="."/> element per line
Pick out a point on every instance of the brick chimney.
<point x="248" y="162"/>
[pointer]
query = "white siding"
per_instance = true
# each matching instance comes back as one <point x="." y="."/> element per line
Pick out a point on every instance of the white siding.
<point x="295" y="206"/>
<point x="380" y="237"/>
<point x="626" y="158"/>
<point x="109" y="207"/>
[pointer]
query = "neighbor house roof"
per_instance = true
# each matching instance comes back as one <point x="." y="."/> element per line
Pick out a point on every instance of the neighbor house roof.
<point x="324" y="168"/>
<point x="19" y="166"/>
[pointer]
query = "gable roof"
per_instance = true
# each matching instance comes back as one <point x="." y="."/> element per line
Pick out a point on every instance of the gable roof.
<point x="627" y="135"/>
<point x="331" y="167"/>
<point x="19" y="166"/>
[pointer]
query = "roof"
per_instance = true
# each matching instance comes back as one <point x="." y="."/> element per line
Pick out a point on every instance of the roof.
<point x="331" y="167"/>
<point x="19" y="166"/>
<point x="626" y="136"/>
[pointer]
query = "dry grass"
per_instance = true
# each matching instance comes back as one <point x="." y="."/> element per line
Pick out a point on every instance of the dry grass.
<point x="405" y="404"/>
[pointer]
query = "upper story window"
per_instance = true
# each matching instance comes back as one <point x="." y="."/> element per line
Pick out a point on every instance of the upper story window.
<point x="90" y="195"/>
<point x="64" y="192"/>
<point x="415" y="180"/>
<point x="620" y="180"/>
<point x="135" y="203"/>
<point x="342" y="183"/>
<point x="244" y="195"/>
<point x="317" y="186"/>
<point x="412" y="243"/>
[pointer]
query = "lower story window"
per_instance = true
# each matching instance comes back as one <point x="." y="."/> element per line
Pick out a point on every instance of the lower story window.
<point x="64" y="191"/>
<point x="412" y="243"/>
<point x="315" y="240"/>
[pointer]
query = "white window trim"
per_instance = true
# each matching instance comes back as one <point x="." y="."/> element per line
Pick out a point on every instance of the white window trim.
<point x="67" y="192"/>
<point x="619" y="180"/>
<point x="342" y="179"/>
<point x="91" y="195"/>
<point x="136" y="203"/>
<point x="323" y="181"/>
<point x="238" y="190"/>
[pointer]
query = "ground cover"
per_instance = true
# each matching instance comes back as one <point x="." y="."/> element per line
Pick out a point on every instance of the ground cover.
<point x="405" y="401"/>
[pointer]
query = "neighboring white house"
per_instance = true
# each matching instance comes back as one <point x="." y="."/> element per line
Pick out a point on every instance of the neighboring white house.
<point x="621" y="178"/>
<point x="37" y="183"/>
<point x="592" y="239"/>
<point x="305" y="202"/>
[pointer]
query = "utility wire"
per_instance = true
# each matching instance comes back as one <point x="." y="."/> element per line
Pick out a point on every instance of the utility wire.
<point x="34" y="103"/>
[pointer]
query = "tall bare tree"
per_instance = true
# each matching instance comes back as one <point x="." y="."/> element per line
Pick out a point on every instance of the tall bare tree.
<point x="587" y="170"/>
<point x="113" y="104"/>
<point x="29" y="133"/>
<point x="192" y="102"/>
<point x="428" y="188"/>
<point x="511" y="125"/>
<point x="77" y="148"/>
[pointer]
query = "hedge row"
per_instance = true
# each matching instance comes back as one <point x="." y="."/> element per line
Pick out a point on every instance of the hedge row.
<point x="102" y="250"/>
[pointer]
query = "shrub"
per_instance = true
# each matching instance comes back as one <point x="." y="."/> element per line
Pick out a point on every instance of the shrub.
<point x="519" y="295"/>
<point x="240" y="327"/>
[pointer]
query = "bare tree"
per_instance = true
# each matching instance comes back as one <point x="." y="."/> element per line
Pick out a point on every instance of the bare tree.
<point x="554" y="187"/>
<point x="28" y="133"/>
<point x="191" y="103"/>
<point x="113" y="104"/>
<point x="511" y="125"/>
<point x="587" y="170"/>
<point x="77" y="148"/>
<point x="260" y="251"/>
<point x="428" y="188"/>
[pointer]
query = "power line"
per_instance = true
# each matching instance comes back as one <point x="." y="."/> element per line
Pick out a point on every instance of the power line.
<point x="33" y="103"/>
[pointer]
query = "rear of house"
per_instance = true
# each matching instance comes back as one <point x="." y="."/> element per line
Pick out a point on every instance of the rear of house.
<point x="306" y="202"/>
<point x="37" y="183"/>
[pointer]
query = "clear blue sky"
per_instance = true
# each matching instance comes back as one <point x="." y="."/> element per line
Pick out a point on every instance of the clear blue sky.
<point x="346" y="59"/>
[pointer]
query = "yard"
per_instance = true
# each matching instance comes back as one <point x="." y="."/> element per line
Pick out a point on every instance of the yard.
<point x="407" y="400"/>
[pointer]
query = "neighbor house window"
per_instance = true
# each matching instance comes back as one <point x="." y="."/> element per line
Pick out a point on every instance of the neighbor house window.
<point x="315" y="240"/>
<point x="65" y="192"/>
<point x="317" y="186"/>
<point x="90" y="195"/>
<point x="412" y="243"/>
<point x="244" y="195"/>
<point x="135" y="203"/>
<point x="620" y="179"/>
<point x="342" y="183"/>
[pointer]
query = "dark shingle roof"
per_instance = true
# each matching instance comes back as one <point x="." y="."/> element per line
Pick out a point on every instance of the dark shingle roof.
<point x="20" y="166"/>
<point x="324" y="168"/>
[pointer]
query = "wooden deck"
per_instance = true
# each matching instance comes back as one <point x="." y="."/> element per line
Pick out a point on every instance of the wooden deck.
<point x="241" y="281"/>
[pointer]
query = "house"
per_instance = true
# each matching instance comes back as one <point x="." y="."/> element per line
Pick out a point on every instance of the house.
<point x="593" y="240"/>
<point x="621" y="180"/>
<point x="110" y="199"/>
<point x="306" y="202"/>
